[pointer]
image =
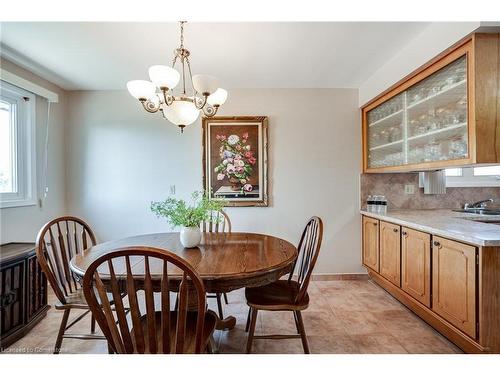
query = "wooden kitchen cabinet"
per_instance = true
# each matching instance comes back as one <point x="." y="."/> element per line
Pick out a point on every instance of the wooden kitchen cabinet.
<point x="390" y="252"/>
<point x="370" y="243"/>
<point x="416" y="265"/>
<point x="454" y="283"/>
<point x="451" y="285"/>
<point x="446" y="113"/>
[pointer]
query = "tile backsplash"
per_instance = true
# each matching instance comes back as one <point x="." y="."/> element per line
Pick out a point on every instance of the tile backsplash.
<point x="392" y="185"/>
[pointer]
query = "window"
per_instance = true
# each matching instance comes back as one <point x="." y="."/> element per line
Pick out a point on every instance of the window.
<point x="453" y="172"/>
<point x="17" y="146"/>
<point x="474" y="176"/>
<point x="487" y="171"/>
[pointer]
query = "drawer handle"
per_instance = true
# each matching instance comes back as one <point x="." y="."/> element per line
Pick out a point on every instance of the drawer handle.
<point x="395" y="230"/>
<point x="437" y="244"/>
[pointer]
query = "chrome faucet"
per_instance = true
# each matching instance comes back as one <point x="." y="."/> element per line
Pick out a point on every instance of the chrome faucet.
<point x="479" y="204"/>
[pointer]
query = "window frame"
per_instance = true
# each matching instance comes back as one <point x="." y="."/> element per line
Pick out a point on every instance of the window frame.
<point x="25" y="147"/>
<point x="468" y="179"/>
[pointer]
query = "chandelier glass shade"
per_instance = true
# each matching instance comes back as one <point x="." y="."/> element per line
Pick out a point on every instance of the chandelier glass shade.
<point x="182" y="107"/>
<point x="181" y="112"/>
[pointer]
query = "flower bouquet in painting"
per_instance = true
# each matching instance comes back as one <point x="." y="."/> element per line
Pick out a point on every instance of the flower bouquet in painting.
<point x="236" y="161"/>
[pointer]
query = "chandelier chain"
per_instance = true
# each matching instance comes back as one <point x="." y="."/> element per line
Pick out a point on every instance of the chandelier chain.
<point x="182" y="33"/>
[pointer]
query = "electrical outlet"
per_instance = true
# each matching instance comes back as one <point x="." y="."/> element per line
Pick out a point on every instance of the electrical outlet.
<point x="410" y="189"/>
<point x="172" y="189"/>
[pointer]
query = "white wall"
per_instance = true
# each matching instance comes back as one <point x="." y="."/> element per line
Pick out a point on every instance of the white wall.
<point x="432" y="41"/>
<point x="120" y="158"/>
<point x="21" y="224"/>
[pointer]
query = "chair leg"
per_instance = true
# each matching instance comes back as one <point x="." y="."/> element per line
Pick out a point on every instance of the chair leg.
<point x="296" y="321"/>
<point x="225" y="299"/>
<point x="253" y="321"/>
<point x="92" y="324"/>
<point x="302" y="330"/>
<point x="62" y="328"/>
<point x="219" y="306"/>
<point x="248" y="319"/>
<point x="210" y="349"/>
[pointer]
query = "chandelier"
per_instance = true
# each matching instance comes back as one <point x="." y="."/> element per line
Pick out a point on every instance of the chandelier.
<point x="183" y="107"/>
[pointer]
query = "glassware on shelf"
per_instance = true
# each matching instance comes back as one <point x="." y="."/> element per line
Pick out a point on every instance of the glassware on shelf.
<point x="457" y="148"/>
<point x="437" y="119"/>
<point x="432" y="151"/>
<point x="386" y="109"/>
<point x="442" y="80"/>
<point x="385" y="135"/>
<point x="383" y="158"/>
<point x="425" y="123"/>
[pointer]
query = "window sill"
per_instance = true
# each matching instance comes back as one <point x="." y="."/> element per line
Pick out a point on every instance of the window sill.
<point x="18" y="203"/>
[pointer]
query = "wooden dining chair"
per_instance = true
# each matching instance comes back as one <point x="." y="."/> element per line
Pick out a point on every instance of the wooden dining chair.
<point x="289" y="294"/>
<point x="142" y="272"/>
<point x="219" y="222"/>
<point x="57" y="242"/>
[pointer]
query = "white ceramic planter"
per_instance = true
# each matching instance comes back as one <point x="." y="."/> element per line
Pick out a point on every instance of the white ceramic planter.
<point x="190" y="236"/>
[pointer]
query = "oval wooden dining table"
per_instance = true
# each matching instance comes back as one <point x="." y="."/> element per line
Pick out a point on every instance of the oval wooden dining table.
<point x="224" y="261"/>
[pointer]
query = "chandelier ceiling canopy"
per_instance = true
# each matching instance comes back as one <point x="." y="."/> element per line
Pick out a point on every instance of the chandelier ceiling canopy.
<point x="197" y="93"/>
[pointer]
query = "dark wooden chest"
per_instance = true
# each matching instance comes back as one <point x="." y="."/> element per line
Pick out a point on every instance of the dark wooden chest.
<point x="23" y="291"/>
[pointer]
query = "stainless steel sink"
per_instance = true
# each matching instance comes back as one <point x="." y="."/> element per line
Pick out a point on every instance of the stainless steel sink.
<point x="480" y="211"/>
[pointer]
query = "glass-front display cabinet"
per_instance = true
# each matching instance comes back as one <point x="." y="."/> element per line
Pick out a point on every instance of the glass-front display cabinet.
<point x="442" y="115"/>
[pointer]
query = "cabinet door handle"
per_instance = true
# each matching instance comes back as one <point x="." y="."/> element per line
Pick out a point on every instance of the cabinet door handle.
<point x="395" y="230"/>
<point x="405" y="233"/>
<point x="375" y="224"/>
<point x="437" y="244"/>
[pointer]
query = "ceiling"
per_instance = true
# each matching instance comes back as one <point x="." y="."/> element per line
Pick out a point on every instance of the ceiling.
<point x="104" y="56"/>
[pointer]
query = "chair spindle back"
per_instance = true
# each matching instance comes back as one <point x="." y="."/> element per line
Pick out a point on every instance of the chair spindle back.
<point x="57" y="242"/>
<point x="219" y="223"/>
<point x="143" y="272"/>
<point x="309" y="247"/>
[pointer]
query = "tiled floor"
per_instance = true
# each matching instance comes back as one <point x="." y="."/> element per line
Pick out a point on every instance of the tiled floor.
<point x="351" y="316"/>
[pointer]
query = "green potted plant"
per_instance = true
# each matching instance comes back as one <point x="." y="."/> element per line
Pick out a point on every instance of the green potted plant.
<point x="188" y="216"/>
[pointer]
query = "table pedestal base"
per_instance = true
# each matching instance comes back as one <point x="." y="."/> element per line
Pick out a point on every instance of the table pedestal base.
<point x="222" y="324"/>
<point x="226" y="324"/>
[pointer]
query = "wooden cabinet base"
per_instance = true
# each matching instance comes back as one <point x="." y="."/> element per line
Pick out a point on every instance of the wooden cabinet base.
<point x="23" y="331"/>
<point x="23" y="292"/>
<point x="460" y="339"/>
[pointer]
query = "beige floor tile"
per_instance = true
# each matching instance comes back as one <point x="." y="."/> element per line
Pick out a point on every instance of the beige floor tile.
<point x="344" y="316"/>
<point x="292" y="346"/>
<point x="379" y="343"/>
<point x="333" y="344"/>
<point x="428" y="345"/>
<point x="360" y="322"/>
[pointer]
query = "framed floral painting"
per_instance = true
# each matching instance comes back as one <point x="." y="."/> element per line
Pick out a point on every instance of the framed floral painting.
<point x="235" y="159"/>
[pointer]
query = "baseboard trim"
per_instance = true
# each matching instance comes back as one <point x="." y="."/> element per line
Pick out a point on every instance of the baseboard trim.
<point x="339" y="276"/>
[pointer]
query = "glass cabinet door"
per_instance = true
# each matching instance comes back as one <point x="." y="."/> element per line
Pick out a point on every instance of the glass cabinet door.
<point x="425" y="123"/>
<point x="385" y="133"/>
<point x="437" y="115"/>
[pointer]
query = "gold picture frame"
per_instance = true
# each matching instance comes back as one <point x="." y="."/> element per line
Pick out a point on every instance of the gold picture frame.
<point x="235" y="159"/>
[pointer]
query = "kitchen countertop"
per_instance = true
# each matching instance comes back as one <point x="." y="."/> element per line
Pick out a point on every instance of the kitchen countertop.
<point x="447" y="223"/>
